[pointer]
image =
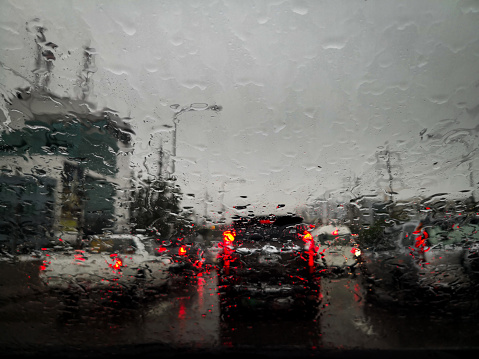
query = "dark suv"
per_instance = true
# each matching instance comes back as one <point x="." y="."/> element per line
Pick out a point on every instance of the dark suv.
<point x="268" y="262"/>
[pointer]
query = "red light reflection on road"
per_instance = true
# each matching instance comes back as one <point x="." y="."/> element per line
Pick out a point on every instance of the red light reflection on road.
<point x="201" y="290"/>
<point x="357" y="293"/>
<point x="182" y="311"/>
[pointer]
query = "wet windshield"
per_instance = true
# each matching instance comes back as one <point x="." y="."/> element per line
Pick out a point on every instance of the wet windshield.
<point x="239" y="175"/>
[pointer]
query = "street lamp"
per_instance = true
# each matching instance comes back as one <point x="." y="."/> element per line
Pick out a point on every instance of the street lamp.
<point x="176" y="120"/>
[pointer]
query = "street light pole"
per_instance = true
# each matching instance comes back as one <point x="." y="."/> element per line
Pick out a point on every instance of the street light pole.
<point x="176" y="121"/>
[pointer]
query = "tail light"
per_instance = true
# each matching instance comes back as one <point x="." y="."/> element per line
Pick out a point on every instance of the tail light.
<point x="117" y="262"/>
<point x="311" y="248"/>
<point x="356" y="252"/>
<point x="182" y="251"/>
<point x="229" y="237"/>
<point x="161" y="250"/>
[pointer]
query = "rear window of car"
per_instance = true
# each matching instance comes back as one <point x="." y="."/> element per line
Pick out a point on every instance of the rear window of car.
<point x="112" y="245"/>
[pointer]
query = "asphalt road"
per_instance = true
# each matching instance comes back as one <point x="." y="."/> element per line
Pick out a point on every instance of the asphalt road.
<point x="188" y="315"/>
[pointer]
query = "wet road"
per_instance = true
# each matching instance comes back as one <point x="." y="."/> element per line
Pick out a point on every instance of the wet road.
<point x="188" y="315"/>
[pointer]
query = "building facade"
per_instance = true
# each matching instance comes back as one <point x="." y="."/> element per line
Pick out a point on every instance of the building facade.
<point x="64" y="169"/>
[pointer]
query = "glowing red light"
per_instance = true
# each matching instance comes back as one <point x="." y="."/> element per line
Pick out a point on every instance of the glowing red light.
<point x="307" y="236"/>
<point x="117" y="264"/>
<point x="161" y="249"/>
<point x="335" y="232"/>
<point x="182" y="251"/>
<point x="79" y="257"/>
<point x="61" y="240"/>
<point x="229" y="236"/>
<point x="421" y="242"/>
<point x="264" y="221"/>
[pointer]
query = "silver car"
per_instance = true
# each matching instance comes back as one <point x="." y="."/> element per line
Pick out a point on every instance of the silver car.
<point x="119" y="262"/>
<point x="338" y="249"/>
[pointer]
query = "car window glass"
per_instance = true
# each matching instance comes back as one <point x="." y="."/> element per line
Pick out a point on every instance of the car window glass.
<point x="273" y="176"/>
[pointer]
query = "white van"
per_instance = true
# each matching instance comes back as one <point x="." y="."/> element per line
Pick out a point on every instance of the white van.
<point x="339" y="251"/>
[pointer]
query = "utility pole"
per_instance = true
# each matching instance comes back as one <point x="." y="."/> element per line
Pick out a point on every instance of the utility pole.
<point x="160" y="162"/>
<point x="386" y="155"/>
<point x="85" y="82"/>
<point x="45" y="57"/>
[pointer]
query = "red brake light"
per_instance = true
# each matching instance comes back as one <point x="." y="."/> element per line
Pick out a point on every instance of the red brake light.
<point x="335" y="232"/>
<point x="182" y="251"/>
<point x="307" y="237"/>
<point x="229" y="236"/>
<point x="117" y="264"/>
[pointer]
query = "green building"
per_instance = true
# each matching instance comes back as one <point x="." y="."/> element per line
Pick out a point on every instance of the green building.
<point x="64" y="169"/>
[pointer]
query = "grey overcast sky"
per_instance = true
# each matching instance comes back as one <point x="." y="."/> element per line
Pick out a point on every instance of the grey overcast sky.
<point x="310" y="90"/>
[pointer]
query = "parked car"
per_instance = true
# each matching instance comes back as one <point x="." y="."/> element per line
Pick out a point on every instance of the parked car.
<point x="421" y="262"/>
<point x="338" y="249"/>
<point x="113" y="262"/>
<point x="268" y="262"/>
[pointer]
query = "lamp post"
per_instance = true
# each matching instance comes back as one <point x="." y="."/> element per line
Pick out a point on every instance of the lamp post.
<point x="176" y="121"/>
